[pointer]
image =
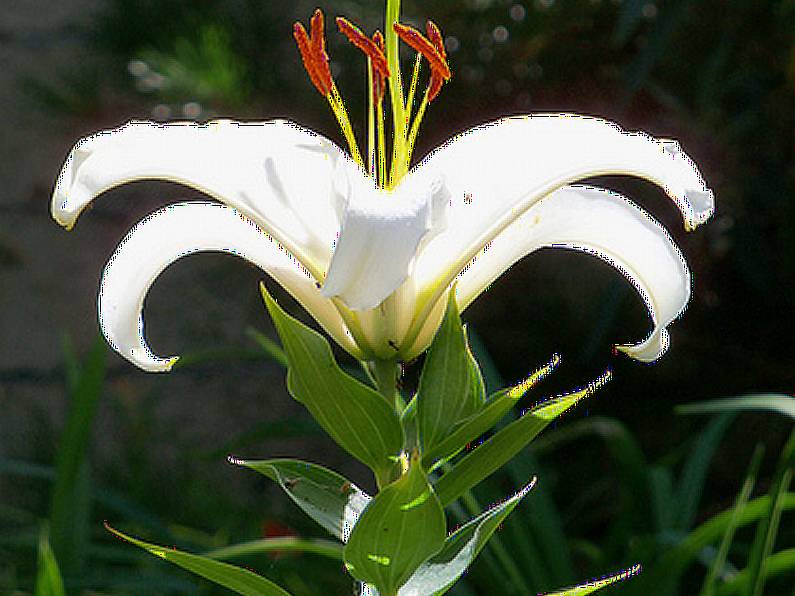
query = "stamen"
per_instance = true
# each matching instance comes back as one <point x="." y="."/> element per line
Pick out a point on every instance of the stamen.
<point x="380" y="78"/>
<point x="435" y="35"/>
<point x="420" y="43"/>
<point x="365" y="44"/>
<point x="308" y="58"/>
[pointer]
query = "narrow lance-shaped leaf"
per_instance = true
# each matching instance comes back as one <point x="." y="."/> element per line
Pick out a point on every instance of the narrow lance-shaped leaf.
<point x="448" y="385"/>
<point x="597" y="584"/>
<point x="492" y="412"/>
<point x="71" y="501"/>
<point x="325" y="496"/>
<point x="711" y="580"/>
<point x="498" y="449"/>
<point x="241" y="581"/>
<point x="440" y="572"/>
<point x="402" y="526"/>
<point x="767" y="529"/>
<point x="48" y="576"/>
<point x="358" y="418"/>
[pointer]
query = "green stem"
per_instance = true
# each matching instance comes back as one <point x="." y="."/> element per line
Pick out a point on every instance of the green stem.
<point x="385" y="374"/>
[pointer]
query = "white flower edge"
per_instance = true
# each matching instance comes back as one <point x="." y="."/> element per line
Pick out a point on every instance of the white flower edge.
<point x="604" y="224"/>
<point x="182" y="229"/>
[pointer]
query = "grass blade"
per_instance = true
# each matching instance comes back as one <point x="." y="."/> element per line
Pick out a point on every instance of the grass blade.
<point x="768" y="526"/>
<point x="70" y="505"/>
<point x="691" y="485"/>
<point x="772" y="402"/>
<point x="710" y="582"/>
<point x="48" y="576"/>
<point x="323" y="548"/>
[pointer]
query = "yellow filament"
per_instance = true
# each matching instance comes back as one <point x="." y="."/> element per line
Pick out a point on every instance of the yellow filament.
<point x="415" y="128"/>
<point x="381" y="144"/>
<point x="338" y="107"/>
<point x="372" y="151"/>
<point x="413" y="88"/>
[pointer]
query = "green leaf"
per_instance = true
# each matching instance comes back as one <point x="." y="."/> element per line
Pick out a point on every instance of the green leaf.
<point x="323" y="548"/>
<point x="767" y="528"/>
<point x="694" y="473"/>
<point x="440" y="572"/>
<point x="71" y="500"/>
<point x="497" y="450"/>
<point x="673" y="562"/>
<point x="325" y="496"/>
<point x="776" y="564"/>
<point x="402" y="526"/>
<point x="711" y="580"/>
<point x="358" y="418"/>
<point x="597" y="584"/>
<point x="270" y="347"/>
<point x="773" y="402"/>
<point x="48" y="576"/>
<point x="448" y="388"/>
<point x="234" y="578"/>
<point x="492" y="412"/>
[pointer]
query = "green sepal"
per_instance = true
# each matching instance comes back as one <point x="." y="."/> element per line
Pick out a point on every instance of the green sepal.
<point x="402" y="527"/>
<point x="237" y="579"/>
<point x="357" y="417"/>
<point x="492" y="412"/>
<point x="500" y="448"/>
<point x="448" y="391"/>
<point x="438" y="574"/>
<point x="325" y="496"/>
<point x="597" y="584"/>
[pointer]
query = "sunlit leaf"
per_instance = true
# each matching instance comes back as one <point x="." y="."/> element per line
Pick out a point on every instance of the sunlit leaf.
<point x="357" y="417"/>
<point x="448" y="390"/>
<point x="401" y="527"/>
<point x="597" y="584"/>
<point x="325" y="496"/>
<point x="441" y="571"/>
<point x="237" y="579"/>
<point x="498" y="449"/>
<point x="487" y="416"/>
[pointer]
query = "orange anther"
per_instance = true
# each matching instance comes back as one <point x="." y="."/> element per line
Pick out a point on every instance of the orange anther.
<point x="318" y="29"/>
<point x="435" y="36"/>
<point x="313" y="53"/>
<point x="380" y="80"/>
<point x="420" y="43"/>
<point x="365" y="44"/>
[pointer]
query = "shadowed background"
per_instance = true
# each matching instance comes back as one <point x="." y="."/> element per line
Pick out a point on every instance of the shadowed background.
<point x="717" y="76"/>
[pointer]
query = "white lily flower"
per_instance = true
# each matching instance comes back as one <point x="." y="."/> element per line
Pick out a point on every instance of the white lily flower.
<point x="372" y="254"/>
<point x="374" y="266"/>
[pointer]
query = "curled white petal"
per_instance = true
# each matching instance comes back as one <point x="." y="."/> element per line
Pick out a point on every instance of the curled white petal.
<point x="497" y="171"/>
<point x="608" y="226"/>
<point x="276" y="173"/>
<point x="379" y="237"/>
<point x="183" y="229"/>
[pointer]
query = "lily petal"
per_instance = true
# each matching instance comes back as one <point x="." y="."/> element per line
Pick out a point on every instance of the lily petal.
<point x="604" y="224"/>
<point x="379" y="237"/>
<point x="497" y="171"/>
<point x="183" y="229"/>
<point x="276" y="173"/>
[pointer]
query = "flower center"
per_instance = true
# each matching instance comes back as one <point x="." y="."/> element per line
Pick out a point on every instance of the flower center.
<point x="383" y="69"/>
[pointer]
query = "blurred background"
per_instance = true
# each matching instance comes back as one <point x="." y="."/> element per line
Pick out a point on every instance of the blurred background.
<point x="85" y="437"/>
